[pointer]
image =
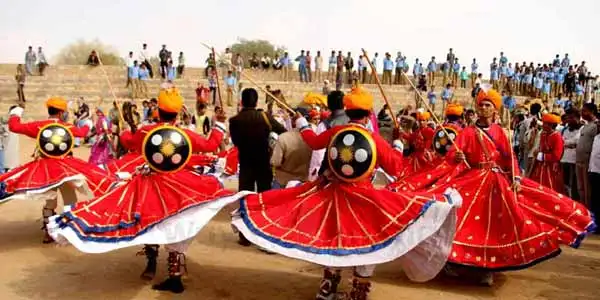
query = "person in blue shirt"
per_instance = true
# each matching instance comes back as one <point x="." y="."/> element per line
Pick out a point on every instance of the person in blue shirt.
<point x="559" y="101"/>
<point x="527" y="82"/>
<point x="566" y="62"/>
<point x="474" y="71"/>
<point x="446" y="69"/>
<point x="447" y="95"/>
<point x="143" y="83"/>
<point x="503" y="59"/>
<point x="560" y="81"/>
<point x="431" y="69"/>
<point x="539" y="84"/>
<point x="579" y="91"/>
<point x="171" y="71"/>
<point x="388" y="67"/>
<point x="230" y="85"/>
<point x="416" y="69"/>
<point x="546" y="89"/>
<point x="455" y="72"/>
<point x="399" y="79"/>
<point x="508" y="105"/>
<point x="134" y="74"/>
<point x="285" y="63"/>
<point x="494" y="74"/>
<point x="431" y="96"/>
<point x="301" y="59"/>
<point x="556" y="61"/>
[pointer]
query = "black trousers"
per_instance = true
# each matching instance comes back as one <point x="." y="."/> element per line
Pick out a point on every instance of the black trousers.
<point x="594" y="179"/>
<point x="257" y="179"/>
<point x="163" y="69"/>
<point x="20" y="93"/>
<point x="213" y="91"/>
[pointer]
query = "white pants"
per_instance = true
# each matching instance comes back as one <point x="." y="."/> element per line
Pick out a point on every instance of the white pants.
<point x="362" y="271"/>
<point x="180" y="247"/>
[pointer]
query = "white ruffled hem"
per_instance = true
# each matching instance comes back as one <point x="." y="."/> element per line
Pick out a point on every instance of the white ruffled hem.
<point x="42" y="193"/>
<point x="424" y="246"/>
<point x="177" y="228"/>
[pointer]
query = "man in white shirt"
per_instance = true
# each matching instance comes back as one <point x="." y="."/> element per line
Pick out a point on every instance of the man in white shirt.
<point x="594" y="177"/>
<point x="144" y="59"/>
<point x="570" y="135"/>
<point x="42" y="62"/>
<point x="318" y="66"/>
<point x="228" y="59"/>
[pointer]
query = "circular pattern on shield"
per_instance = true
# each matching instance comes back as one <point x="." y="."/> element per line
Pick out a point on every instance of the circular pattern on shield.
<point x="352" y="154"/>
<point x="55" y="140"/>
<point x="167" y="149"/>
<point x="442" y="143"/>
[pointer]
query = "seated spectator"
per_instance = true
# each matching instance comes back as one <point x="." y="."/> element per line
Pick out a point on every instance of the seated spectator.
<point x="93" y="59"/>
<point x="254" y="61"/>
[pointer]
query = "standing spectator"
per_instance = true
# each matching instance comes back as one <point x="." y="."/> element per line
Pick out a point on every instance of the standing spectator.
<point x="509" y="103"/>
<point x="171" y="71"/>
<point x="285" y="65"/>
<point x="566" y="62"/>
<point x="212" y="85"/>
<point x="374" y="71"/>
<point x="30" y="60"/>
<point x="326" y="90"/>
<point x="230" y="83"/>
<point x="447" y="95"/>
<point x="582" y="73"/>
<point x="518" y="126"/>
<point x="227" y="61"/>
<point x="455" y="72"/>
<point x="464" y="76"/>
<point x="546" y="89"/>
<point x="584" y="150"/>
<point x="474" y="71"/>
<point x="133" y="76"/>
<point x="446" y="70"/>
<point x="144" y="76"/>
<point x="301" y="59"/>
<point x="144" y="57"/>
<point x="388" y="67"/>
<point x="594" y="177"/>
<point x="503" y="59"/>
<point x="250" y="130"/>
<point x="431" y="69"/>
<point x="432" y="97"/>
<point x="450" y="57"/>
<point x="579" y="92"/>
<point x="538" y="83"/>
<point x="42" y="62"/>
<point x="129" y="62"/>
<point x="559" y="82"/>
<point x="265" y="62"/>
<point x="20" y="78"/>
<point x="494" y="73"/>
<point x="145" y="110"/>
<point x="239" y="66"/>
<point x="332" y="66"/>
<point x="363" y="68"/>
<point x="308" y="67"/>
<point x="570" y="135"/>
<point x="417" y="70"/>
<point x="400" y="61"/>
<point x="180" y="65"/>
<point x="163" y="55"/>
<point x="349" y="65"/>
<point x="339" y="72"/>
<point x="318" y="66"/>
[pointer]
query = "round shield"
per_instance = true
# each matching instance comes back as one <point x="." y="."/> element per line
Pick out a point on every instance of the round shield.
<point x="352" y="154"/>
<point x="167" y="149"/>
<point x="442" y="143"/>
<point x="55" y="140"/>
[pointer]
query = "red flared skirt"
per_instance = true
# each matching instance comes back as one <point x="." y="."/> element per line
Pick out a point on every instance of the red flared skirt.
<point x="549" y="174"/>
<point x="150" y="209"/>
<point x="231" y="161"/>
<point x="419" y="161"/>
<point x="44" y="174"/>
<point x="498" y="229"/>
<point x="130" y="161"/>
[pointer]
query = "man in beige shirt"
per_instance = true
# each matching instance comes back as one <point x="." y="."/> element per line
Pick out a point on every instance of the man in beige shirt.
<point x="290" y="158"/>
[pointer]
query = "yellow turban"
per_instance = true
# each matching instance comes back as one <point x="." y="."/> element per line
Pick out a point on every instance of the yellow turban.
<point x="169" y="100"/>
<point x="57" y="102"/>
<point x="358" y="99"/>
<point x="490" y="95"/>
<point x="423" y="116"/>
<point x="551" y="118"/>
<point x="454" y="109"/>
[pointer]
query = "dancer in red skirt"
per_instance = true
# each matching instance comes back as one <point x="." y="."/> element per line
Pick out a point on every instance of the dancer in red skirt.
<point x="505" y="222"/>
<point x="453" y="125"/>
<point x="547" y="169"/>
<point x="341" y="220"/>
<point x="165" y="202"/>
<point x="421" y="140"/>
<point x="53" y="168"/>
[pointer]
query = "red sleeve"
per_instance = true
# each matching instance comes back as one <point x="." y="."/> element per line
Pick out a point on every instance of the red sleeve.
<point x="29" y="129"/>
<point x="79" y="131"/>
<point x="317" y="142"/>
<point x="387" y="157"/>
<point x="126" y="140"/>
<point x="200" y="144"/>
<point x="428" y="134"/>
<point x="556" y="147"/>
<point x="137" y="139"/>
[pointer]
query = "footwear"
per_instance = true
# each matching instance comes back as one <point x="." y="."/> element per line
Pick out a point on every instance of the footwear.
<point x="329" y="285"/>
<point x="173" y="283"/>
<point x="242" y="240"/>
<point x="151" y="253"/>
<point x="487" y="279"/>
<point x="450" y="271"/>
<point x="47" y="213"/>
<point x="360" y="288"/>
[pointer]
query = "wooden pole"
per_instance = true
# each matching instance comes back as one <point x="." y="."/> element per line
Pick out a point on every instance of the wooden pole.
<point x="121" y="117"/>
<point x="374" y="71"/>
<point x="249" y="78"/>
<point x="217" y="75"/>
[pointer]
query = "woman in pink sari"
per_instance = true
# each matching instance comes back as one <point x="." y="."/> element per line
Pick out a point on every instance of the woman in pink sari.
<point x="100" y="153"/>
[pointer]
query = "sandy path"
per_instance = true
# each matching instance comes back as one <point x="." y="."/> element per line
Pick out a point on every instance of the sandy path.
<point x="220" y="269"/>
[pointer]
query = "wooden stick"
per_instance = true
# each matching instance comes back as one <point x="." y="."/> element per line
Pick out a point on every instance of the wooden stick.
<point x="217" y="75"/>
<point x="512" y="160"/>
<point x="249" y="78"/>
<point x="374" y="71"/>
<point x="121" y="117"/>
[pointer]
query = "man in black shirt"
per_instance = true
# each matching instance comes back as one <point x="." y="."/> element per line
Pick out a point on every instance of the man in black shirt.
<point x="163" y="55"/>
<point x="250" y="130"/>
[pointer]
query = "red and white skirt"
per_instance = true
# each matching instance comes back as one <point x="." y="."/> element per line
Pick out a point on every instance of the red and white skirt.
<point x="339" y="225"/>
<point x="150" y="209"/>
<point x="35" y="178"/>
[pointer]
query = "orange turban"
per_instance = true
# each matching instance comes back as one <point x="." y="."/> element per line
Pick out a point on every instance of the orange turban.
<point x="454" y="109"/>
<point x="490" y="95"/>
<point x="169" y="100"/>
<point x="358" y="99"/>
<point x="551" y="118"/>
<point x="57" y="102"/>
<point x="423" y="116"/>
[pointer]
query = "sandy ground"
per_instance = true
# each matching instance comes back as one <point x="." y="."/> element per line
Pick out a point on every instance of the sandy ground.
<point x="220" y="269"/>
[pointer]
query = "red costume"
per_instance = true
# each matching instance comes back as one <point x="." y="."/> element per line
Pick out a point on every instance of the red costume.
<point x="231" y="161"/>
<point x="422" y="156"/>
<point x="546" y="167"/>
<point x="44" y="173"/>
<point x="498" y="228"/>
